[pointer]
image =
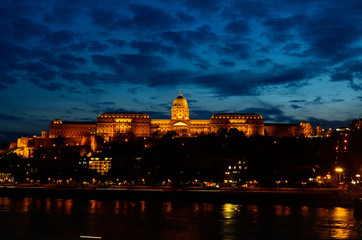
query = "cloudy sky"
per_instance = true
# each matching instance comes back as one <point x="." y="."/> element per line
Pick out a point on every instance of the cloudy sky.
<point x="289" y="60"/>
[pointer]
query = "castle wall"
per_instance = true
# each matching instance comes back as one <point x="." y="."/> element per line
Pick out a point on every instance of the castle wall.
<point x="71" y="129"/>
<point x="113" y="125"/>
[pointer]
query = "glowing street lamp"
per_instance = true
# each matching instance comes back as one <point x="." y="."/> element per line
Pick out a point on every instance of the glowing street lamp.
<point x="339" y="172"/>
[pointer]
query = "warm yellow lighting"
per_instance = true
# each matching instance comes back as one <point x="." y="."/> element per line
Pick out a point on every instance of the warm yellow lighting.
<point x="357" y="175"/>
<point x="338" y="170"/>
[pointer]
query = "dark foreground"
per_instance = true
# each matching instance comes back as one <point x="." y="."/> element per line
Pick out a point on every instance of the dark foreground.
<point x="69" y="219"/>
<point x="283" y="196"/>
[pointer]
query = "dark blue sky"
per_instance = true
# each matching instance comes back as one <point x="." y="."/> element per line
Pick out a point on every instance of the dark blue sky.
<point x="289" y="60"/>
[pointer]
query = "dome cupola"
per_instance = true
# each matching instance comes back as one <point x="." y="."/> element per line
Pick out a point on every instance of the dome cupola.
<point x="180" y="101"/>
<point x="180" y="110"/>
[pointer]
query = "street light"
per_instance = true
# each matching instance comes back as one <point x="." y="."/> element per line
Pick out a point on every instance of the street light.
<point x="339" y="172"/>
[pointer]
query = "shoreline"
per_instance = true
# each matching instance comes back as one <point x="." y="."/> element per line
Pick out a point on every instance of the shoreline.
<point x="282" y="196"/>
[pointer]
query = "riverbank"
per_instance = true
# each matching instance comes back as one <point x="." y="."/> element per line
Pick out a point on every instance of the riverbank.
<point x="282" y="196"/>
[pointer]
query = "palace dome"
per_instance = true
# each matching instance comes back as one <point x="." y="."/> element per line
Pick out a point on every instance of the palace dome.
<point x="180" y="101"/>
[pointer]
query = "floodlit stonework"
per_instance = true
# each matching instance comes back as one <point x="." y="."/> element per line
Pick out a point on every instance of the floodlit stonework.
<point x="115" y="126"/>
<point x="112" y="124"/>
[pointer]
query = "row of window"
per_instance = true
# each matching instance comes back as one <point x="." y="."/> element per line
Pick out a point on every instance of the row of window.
<point x="236" y="117"/>
<point x="123" y="116"/>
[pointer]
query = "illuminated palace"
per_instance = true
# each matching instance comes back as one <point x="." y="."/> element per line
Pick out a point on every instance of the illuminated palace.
<point x="113" y="125"/>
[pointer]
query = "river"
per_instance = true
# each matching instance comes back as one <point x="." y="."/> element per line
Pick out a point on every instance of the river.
<point x="30" y="218"/>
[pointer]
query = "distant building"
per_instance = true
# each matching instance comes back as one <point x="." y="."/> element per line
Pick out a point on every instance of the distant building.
<point x="111" y="126"/>
<point x="279" y="130"/>
<point x="356" y="124"/>
<point x="69" y="129"/>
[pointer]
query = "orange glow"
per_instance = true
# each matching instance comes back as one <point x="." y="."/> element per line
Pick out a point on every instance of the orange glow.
<point x="338" y="169"/>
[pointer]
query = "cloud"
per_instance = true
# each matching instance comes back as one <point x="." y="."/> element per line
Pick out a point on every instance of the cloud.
<point x="63" y="61"/>
<point x="104" y="60"/>
<point x="92" y="79"/>
<point x="96" y="91"/>
<point x="262" y="62"/>
<point x="11" y="55"/>
<point x="318" y="100"/>
<point x="237" y="50"/>
<point x="350" y="71"/>
<point x="201" y="114"/>
<point x="290" y="48"/>
<point x="147" y="47"/>
<point x="7" y="117"/>
<point x="6" y="80"/>
<point x="237" y="27"/>
<point x="78" y="109"/>
<point x="185" y="18"/>
<point x="140" y="61"/>
<point x="64" y="12"/>
<point x="294" y="106"/>
<point x="297" y="101"/>
<point x="226" y="63"/>
<point x="328" y="123"/>
<point x="184" y="40"/>
<point x="200" y="6"/>
<point x="168" y="78"/>
<point x="247" y="9"/>
<point x="73" y="90"/>
<point x="157" y="115"/>
<point x="287" y="76"/>
<point x="107" y="103"/>
<point x="59" y="38"/>
<point x="148" y="18"/>
<point x="331" y="33"/>
<point x="273" y="114"/>
<point x="117" y="42"/>
<point x="202" y="64"/>
<point x="39" y="73"/>
<point x="281" y="29"/>
<point x="23" y="29"/>
<point x="96" y="46"/>
<point x="52" y="86"/>
<point x="105" y="18"/>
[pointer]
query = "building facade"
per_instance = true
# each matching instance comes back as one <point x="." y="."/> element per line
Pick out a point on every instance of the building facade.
<point x="113" y="125"/>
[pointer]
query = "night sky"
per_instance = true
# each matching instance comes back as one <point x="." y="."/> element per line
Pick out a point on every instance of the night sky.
<point x="289" y="61"/>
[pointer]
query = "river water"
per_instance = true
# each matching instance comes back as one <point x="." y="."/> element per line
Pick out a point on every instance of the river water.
<point x="29" y="218"/>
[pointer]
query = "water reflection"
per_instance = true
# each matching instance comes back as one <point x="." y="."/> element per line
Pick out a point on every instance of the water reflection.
<point x="342" y="227"/>
<point x="167" y="207"/>
<point x="5" y="204"/>
<point x="229" y="210"/>
<point x="68" y="205"/>
<point x="27" y="204"/>
<point x="282" y="210"/>
<point x="120" y="219"/>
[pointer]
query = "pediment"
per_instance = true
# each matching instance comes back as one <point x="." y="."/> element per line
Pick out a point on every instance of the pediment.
<point x="180" y="124"/>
